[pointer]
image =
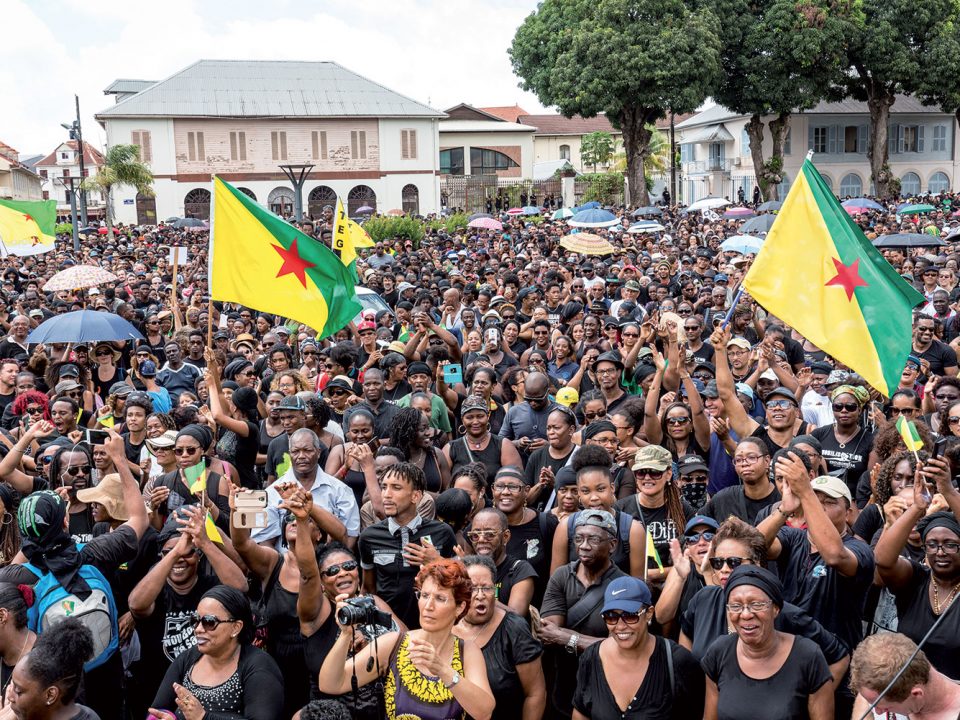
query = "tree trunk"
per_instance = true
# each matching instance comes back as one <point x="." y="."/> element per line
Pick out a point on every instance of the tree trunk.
<point x="108" y="211"/>
<point x="636" y="144"/>
<point x="879" y="101"/>
<point x="774" y="167"/>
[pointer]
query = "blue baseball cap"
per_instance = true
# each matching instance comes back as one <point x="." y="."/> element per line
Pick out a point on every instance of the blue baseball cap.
<point x="700" y="520"/>
<point x="628" y="594"/>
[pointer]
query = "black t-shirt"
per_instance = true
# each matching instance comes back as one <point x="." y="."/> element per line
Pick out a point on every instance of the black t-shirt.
<point x="705" y="353"/>
<point x="81" y="526"/>
<point x="511" y="645"/>
<point x="782" y="696"/>
<point x="852" y="457"/>
<point x="241" y="452"/>
<point x="940" y="356"/>
<point x="733" y="501"/>
<point x="868" y="522"/>
<point x="539" y="459"/>
<point x="125" y="577"/>
<point x="510" y="572"/>
<point x="657" y="523"/>
<point x="533" y="541"/>
<point x="6" y="400"/>
<point x="916" y="618"/>
<point x="654" y="699"/>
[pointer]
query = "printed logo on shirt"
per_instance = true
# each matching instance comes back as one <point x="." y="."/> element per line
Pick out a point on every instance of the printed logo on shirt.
<point x="819" y="571"/>
<point x="177" y="634"/>
<point x="533" y="547"/>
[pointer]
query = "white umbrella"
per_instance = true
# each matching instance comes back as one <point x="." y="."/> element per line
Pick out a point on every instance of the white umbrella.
<point x="708" y="203"/>
<point x="645" y="228"/>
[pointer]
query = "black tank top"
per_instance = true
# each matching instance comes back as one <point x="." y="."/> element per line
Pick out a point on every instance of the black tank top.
<point x="461" y="455"/>
<point x="285" y="644"/>
<point x="356" y="481"/>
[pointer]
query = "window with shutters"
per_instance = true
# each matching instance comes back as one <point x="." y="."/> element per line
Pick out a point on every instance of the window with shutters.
<point x="141" y="138"/>
<point x="939" y="138"/>
<point x="820" y="136"/>
<point x="238" y="145"/>
<point x="686" y="153"/>
<point x="851" y="185"/>
<point x="787" y="141"/>
<point x="358" y="144"/>
<point x="408" y="144"/>
<point x="278" y="144"/>
<point x="850" y="139"/>
<point x="66" y="172"/>
<point x="195" y="150"/>
<point x="910" y="139"/>
<point x="43" y="174"/>
<point x="318" y="141"/>
<point x="909" y="185"/>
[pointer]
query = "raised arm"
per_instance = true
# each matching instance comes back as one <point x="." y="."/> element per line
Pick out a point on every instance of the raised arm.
<point x="220" y="416"/>
<point x="10" y="471"/>
<point x="260" y="559"/>
<point x="226" y="569"/>
<point x="738" y="418"/>
<point x="137" y="518"/>
<point x="895" y="571"/>
<point x="313" y="608"/>
<point x="651" y="419"/>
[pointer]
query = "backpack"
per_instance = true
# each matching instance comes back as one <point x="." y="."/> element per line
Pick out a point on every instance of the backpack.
<point x="98" y="613"/>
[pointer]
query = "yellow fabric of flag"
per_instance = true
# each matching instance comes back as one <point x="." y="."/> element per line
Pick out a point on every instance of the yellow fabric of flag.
<point x="211" y="529"/>
<point x="348" y="236"/>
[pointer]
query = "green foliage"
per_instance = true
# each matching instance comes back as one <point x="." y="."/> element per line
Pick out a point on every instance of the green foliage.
<point x="387" y="228"/>
<point x="604" y="187"/>
<point x="63" y="228"/>
<point x="122" y="167"/>
<point x="457" y="221"/>
<point x="596" y="148"/>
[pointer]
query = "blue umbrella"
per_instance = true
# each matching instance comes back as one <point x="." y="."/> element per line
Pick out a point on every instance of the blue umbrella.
<point x="742" y="244"/>
<point x="590" y="205"/>
<point x="863" y="202"/>
<point x="530" y="210"/>
<point x="648" y="210"/>
<point x="593" y="218"/>
<point x="84" y="326"/>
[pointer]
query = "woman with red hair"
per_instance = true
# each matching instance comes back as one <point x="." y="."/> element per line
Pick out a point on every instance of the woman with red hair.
<point x="429" y="673"/>
<point x="29" y="407"/>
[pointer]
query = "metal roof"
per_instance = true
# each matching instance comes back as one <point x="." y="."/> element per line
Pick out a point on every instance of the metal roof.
<point x="127" y="86"/>
<point x="267" y="88"/>
<point x="710" y="134"/>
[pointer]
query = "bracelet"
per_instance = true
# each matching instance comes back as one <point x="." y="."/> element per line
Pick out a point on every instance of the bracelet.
<point x="786" y="516"/>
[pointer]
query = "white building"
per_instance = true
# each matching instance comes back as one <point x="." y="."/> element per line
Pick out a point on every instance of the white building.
<point x="64" y="162"/>
<point x="241" y="120"/>
<point x="17" y="180"/>
<point x="715" y="149"/>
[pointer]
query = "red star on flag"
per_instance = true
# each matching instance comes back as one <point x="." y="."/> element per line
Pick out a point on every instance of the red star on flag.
<point x="848" y="277"/>
<point x="26" y="216"/>
<point x="293" y="263"/>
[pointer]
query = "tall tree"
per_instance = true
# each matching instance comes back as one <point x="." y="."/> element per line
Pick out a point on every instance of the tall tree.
<point x="940" y="81"/>
<point x="778" y="56"/>
<point x="631" y="59"/>
<point x="121" y="167"/>
<point x="596" y="148"/>
<point x="889" y="46"/>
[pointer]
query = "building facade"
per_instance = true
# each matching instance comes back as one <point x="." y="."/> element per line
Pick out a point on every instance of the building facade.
<point x="64" y="162"/>
<point x="17" y="180"/>
<point x="243" y="120"/>
<point x="715" y="154"/>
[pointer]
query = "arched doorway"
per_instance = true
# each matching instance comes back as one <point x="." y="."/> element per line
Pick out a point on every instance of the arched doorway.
<point x="146" y="209"/>
<point x="197" y="204"/>
<point x="410" y="198"/>
<point x="318" y="197"/>
<point x="361" y="196"/>
<point x="280" y="201"/>
<point x="248" y="192"/>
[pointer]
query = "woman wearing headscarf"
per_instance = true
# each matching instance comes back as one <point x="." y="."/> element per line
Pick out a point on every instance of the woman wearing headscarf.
<point x="847" y="443"/>
<point x="224" y="675"/>
<point x="925" y="591"/>
<point x="764" y="674"/>
<point x="239" y="441"/>
<point x="604" y="434"/>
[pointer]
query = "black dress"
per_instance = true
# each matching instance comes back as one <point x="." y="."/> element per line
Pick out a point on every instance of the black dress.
<point x="241" y="452"/>
<point x="510" y="645"/>
<point x="284" y="643"/>
<point x="916" y="618"/>
<point x="782" y="696"/>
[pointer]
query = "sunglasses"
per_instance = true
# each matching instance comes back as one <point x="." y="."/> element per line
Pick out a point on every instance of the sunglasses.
<point x="77" y="470"/>
<point x="35" y="410"/>
<point x="697" y="537"/>
<point x="612" y="617"/>
<point x="189" y="553"/>
<point x="208" y="622"/>
<point x="103" y="353"/>
<point x="181" y="451"/>
<point x="732" y="562"/>
<point x="849" y="407"/>
<point x="780" y="404"/>
<point x="333" y="570"/>
<point x="678" y="420"/>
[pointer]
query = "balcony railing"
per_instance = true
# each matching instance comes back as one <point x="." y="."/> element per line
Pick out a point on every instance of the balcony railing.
<point x="710" y="165"/>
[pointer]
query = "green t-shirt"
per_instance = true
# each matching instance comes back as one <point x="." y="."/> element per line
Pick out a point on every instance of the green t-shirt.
<point x="439" y="417"/>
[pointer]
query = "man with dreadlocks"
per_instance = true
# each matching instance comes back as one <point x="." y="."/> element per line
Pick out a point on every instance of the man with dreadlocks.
<point x="61" y="569"/>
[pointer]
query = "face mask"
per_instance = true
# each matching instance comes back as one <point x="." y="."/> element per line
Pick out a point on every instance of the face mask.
<point x="695" y="494"/>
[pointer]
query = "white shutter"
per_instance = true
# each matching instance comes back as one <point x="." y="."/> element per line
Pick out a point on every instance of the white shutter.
<point x="413" y="144"/>
<point x="242" y="144"/>
<point x="404" y="145"/>
<point x="862" y="138"/>
<point x="832" y="140"/>
<point x="920" y="138"/>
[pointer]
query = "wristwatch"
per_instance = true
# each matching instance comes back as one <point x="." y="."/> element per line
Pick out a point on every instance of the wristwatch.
<point x="572" y="643"/>
<point x="453" y="680"/>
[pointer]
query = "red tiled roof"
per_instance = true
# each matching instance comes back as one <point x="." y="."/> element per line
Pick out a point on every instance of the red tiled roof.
<point x="560" y="125"/>
<point x="91" y="156"/>
<point x="664" y="123"/>
<point x="9" y="153"/>
<point x="510" y="113"/>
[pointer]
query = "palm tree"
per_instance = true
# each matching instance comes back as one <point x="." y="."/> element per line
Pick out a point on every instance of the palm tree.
<point x="121" y="167"/>
<point x="658" y="157"/>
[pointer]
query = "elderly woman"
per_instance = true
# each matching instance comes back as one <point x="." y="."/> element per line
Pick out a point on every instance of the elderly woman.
<point x="223" y="675"/>
<point x="847" y="443"/>
<point x="926" y="590"/>
<point x="511" y="653"/>
<point x="478" y="444"/>
<point x="765" y="674"/>
<point x="429" y="673"/>
<point x="608" y="682"/>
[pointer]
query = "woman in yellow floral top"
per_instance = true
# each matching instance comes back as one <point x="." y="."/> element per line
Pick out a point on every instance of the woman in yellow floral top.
<point x="429" y="673"/>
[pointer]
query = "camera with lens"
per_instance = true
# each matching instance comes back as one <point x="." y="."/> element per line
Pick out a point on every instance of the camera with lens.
<point x="363" y="611"/>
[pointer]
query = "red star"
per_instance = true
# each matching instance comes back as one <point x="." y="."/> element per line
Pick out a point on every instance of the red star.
<point x="293" y="263"/>
<point x="26" y="216"/>
<point x="848" y="277"/>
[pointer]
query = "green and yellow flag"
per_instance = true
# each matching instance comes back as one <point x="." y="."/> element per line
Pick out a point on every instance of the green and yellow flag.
<point x="818" y="273"/>
<point x="908" y="431"/>
<point x="27" y="226"/>
<point x="347" y="237"/>
<point x="196" y="476"/>
<point x="261" y="261"/>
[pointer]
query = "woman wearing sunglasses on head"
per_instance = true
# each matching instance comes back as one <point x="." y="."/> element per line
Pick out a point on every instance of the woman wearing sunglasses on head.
<point x="738" y="544"/>
<point x="765" y="673"/>
<point x="608" y="682"/>
<point x="325" y="573"/>
<point x="224" y="675"/>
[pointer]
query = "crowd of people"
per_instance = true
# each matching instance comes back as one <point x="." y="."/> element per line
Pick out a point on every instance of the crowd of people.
<point x="532" y="484"/>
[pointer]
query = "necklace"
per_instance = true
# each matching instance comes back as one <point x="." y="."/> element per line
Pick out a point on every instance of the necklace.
<point x="936" y="597"/>
<point x="858" y="434"/>
<point x="480" y="629"/>
<point x="475" y="444"/>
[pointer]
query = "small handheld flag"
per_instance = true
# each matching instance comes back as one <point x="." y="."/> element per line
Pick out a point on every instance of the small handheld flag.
<point x="211" y="529"/>
<point x="908" y="431"/>
<point x="196" y="476"/>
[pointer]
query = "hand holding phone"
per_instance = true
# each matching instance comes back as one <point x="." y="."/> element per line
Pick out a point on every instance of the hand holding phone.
<point x="452" y="373"/>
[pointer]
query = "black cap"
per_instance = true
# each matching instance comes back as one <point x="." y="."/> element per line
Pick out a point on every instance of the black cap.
<point x="293" y="402"/>
<point x="611" y="356"/>
<point x="687" y="464"/>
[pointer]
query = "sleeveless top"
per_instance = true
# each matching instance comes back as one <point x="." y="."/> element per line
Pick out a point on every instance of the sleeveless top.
<point x="285" y="644"/>
<point x="410" y="694"/>
<point x="431" y="471"/>
<point x="461" y="454"/>
<point x="356" y="481"/>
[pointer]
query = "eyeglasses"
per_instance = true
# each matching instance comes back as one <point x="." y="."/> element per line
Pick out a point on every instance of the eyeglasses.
<point x="181" y="451"/>
<point x="607" y="371"/>
<point x="593" y="541"/>
<point x="747" y="459"/>
<point x="780" y="404"/>
<point x="483" y="589"/>
<point x="483" y="534"/>
<point x="208" y="622"/>
<point x="949" y="547"/>
<point x="732" y="562"/>
<point x="678" y="420"/>
<point x="437" y="598"/>
<point x="508" y="487"/>
<point x="594" y="415"/>
<point x="757" y="606"/>
<point x="953" y="420"/>
<point x="77" y="470"/>
<point x="909" y="411"/>
<point x="349" y="566"/>
<point x="612" y="617"/>
<point x="849" y="407"/>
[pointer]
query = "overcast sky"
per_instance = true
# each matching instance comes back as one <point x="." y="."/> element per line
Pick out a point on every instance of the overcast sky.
<point x="441" y="53"/>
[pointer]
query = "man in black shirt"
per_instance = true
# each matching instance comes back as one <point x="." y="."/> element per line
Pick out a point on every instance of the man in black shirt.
<point x="8" y="381"/>
<point x="490" y="534"/>
<point x="393" y="550"/>
<point x="383" y="412"/>
<point x="756" y="491"/>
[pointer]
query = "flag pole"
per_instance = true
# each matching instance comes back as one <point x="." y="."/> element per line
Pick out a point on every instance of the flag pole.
<point x="733" y="306"/>
<point x="213" y="215"/>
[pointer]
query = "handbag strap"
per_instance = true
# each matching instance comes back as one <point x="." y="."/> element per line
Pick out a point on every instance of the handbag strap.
<point x="585" y="606"/>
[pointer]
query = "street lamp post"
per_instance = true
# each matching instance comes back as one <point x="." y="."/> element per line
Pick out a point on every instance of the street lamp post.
<point x="297" y="175"/>
<point x="76" y="133"/>
<point x="69" y="184"/>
